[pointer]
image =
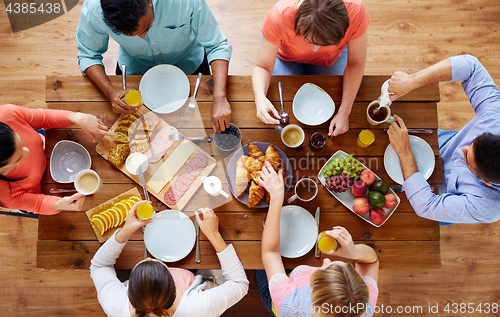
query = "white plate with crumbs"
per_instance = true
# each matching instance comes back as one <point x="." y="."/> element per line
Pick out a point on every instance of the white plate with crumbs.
<point x="298" y="231"/>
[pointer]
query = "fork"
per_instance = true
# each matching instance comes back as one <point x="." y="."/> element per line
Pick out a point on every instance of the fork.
<point x="192" y="103"/>
<point x="177" y="137"/>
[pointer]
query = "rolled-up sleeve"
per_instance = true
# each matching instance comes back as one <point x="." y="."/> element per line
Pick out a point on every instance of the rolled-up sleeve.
<point x="91" y="37"/>
<point x="208" y="33"/>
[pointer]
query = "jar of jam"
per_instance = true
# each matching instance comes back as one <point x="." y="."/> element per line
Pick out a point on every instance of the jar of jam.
<point x="317" y="141"/>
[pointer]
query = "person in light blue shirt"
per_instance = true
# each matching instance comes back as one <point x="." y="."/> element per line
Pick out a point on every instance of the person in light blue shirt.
<point x="471" y="156"/>
<point x="183" y="33"/>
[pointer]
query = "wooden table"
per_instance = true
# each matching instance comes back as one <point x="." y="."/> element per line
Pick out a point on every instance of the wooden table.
<point x="66" y="240"/>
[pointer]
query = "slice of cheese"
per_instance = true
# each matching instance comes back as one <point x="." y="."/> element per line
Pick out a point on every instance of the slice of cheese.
<point x="171" y="166"/>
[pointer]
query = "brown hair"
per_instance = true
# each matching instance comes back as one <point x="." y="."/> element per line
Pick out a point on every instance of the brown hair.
<point x="323" y="21"/>
<point x="338" y="286"/>
<point x="151" y="289"/>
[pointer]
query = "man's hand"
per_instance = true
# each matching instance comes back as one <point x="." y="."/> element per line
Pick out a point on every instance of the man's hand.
<point x="339" y="124"/>
<point x="117" y="103"/>
<point x="220" y="115"/>
<point x="266" y="112"/>
<point x="399" y="85"/>
<point x="400" y="141"/>
<point x="71" y="203"/>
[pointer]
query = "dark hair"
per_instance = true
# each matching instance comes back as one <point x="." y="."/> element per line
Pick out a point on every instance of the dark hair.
<point x="123" y="16"/>
<point x="487" y="156"/>
<point x="324" y="21"/>
<point x="151" y="288"/>
<point x="7" y="149"/>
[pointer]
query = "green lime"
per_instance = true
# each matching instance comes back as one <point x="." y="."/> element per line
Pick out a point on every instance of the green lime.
<point x="376" y="199"/>
<point x="380" y="186"/>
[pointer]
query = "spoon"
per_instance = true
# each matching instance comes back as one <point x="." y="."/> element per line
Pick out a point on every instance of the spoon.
<point x="327" y="138"/>
<point x="283" y="114"/>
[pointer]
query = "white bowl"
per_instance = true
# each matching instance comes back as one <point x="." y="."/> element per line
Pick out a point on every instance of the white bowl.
<point x="164" y="88"/>
<point x="312" y="105"/>
<point x="67" y="159"/>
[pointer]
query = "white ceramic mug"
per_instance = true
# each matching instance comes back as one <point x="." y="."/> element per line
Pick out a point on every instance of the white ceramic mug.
<point x="311" y="183"/>
<point x="283" y="131"/>
<point x="83" y="188"/>
<point x="388" y="118"/>
<point x="213" y="186"/>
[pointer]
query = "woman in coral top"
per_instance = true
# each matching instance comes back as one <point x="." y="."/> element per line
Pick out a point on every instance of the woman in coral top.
<point x="312" y="37"/>
<point x="22" y="156"/>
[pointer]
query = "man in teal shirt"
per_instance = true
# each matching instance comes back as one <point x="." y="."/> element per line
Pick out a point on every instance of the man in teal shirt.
<point x="153" y="32"/>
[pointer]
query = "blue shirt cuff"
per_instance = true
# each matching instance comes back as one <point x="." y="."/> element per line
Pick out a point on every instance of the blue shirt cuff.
<point x="414" y="184"/>
<point x="86" y="62"/>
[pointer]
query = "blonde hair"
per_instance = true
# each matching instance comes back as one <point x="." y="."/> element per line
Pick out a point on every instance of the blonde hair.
<point x="338" y="286"/>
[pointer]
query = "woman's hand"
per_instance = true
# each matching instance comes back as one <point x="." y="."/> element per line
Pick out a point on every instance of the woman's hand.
<point x="70" y="203"/>
<point x="272" y="181"/>
<point x="132" y="224"/>
<point x="339" y="124"/>
<point x="347" y="249"/>
<point x="209" y="225"/>
<point x="90" y="124"/>
<point x="266" y="111"/>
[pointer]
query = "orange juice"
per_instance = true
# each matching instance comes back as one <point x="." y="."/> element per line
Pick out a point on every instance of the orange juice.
<point x="365" y="138"/>
<point x="133" y="98"/>
<point x="326" y="244"/>
<point x="144" y="211"/>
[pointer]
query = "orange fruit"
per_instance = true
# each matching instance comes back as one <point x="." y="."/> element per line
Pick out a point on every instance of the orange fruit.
<point x="129" y="203"/>
<point x="135" y="198"/>
<point x="113" y="217"/>
<point x="104" y="220"/>
<point x="118" y="215"/>
<point x="108" y="217"/>
<point x="123" y="209"/>
<point x="99" y="224"/>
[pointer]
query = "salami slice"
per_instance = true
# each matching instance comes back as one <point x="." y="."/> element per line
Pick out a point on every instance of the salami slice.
<point x="170" y="198"/>
<point x="179" y="187"/>
<point x="184" y="179"/>
<point x="200" y="160"/>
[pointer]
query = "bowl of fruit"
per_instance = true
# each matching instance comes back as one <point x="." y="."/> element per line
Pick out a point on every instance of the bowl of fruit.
<point x="358" y="188"/>
<point x="229" y="139"/>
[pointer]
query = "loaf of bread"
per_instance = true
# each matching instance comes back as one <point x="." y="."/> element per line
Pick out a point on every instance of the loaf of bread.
<point x="118" y="154"/>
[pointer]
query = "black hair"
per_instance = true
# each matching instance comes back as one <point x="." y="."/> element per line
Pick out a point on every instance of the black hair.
<point x="487" y="156"/>
<point x="123" y="16"/>
<point x="7" y="149"/>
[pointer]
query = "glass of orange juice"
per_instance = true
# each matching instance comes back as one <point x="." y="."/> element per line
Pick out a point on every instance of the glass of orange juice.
<point x="326" y="244"/>
<point x="144" y="211"/>
<point x="365" y="138"/>
<point x="133" y="98"/>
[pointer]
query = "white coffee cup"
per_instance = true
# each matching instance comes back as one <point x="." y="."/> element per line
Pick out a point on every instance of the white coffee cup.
<point x="87" y="182"/>
<point x="286" y="130"/>
<point x="304" y="182"/>
<point x="388" y="118"/>
<point x="213" y="186"/>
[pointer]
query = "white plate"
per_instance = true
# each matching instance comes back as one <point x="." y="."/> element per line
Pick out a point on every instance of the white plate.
<point x="171" y="236"/>
<point x="67" y="159"/>
<point x="424" y="157"/>
<point x="312" y="105"/>
<point x="164" y="88"/>
<point x="298" y="231"/>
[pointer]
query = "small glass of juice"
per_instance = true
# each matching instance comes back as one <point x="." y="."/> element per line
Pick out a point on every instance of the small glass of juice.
<point x="144" y="211"/>
<point x="365" y="138"/>
<point x="326" y="244"/>
<point x="133" y="98"/>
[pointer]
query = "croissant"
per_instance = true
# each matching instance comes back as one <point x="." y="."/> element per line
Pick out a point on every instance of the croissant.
<point x="254" y="152"/>
<point x="253" y="165"/>
<point x="255" y="194"/>
<point x="242" y="176"/>
<point x="272" y="156"/>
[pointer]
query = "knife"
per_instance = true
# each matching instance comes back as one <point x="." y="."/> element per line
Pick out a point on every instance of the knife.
<point x="197" y="229"/>
<point x="316" y="250"/>
<point x="426" y="131"/>
<point x="140" y="173"/>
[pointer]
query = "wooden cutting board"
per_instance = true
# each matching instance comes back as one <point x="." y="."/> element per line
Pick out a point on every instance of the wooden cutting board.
<point x="106" y="144"/>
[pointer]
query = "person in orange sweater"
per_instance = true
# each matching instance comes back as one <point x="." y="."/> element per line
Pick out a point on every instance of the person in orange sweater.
<point x="22" y="156"/>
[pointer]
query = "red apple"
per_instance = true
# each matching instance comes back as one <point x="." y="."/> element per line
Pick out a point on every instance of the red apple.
<point x="359" y="188"/>
<point x="377" y="216"/>
<point x="390" y="201"/>
<point x="361" y="206"/>
<point x="367" y="176"/>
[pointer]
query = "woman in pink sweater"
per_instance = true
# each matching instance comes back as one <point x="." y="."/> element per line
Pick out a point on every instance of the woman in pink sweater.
<point x="22" y="156"/>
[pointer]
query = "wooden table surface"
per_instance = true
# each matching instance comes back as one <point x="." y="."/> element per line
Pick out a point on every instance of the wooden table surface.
<point x="66" y="240"/>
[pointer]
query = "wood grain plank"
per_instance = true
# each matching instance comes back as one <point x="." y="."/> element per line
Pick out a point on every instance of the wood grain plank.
<point x="415" y="114"/>
<point x="239" y="88"/>
<point x="248" y="226"/>
<point x="77" y="255"/>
